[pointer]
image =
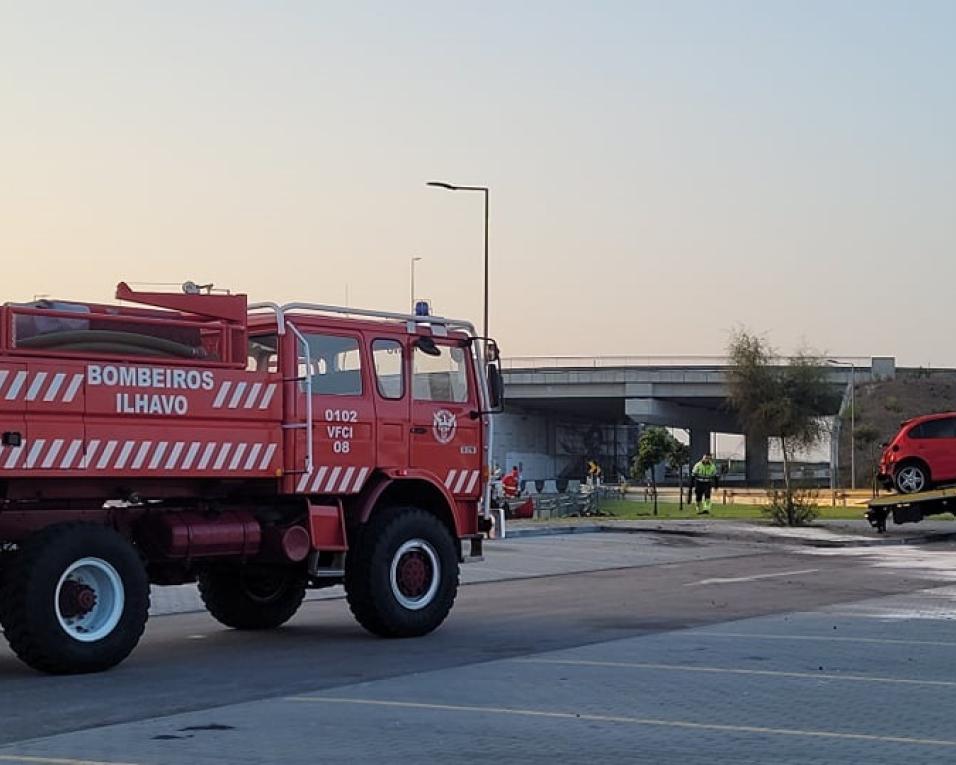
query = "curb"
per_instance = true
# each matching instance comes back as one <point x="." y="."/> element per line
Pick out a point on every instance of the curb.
<point x="525" y="532"/>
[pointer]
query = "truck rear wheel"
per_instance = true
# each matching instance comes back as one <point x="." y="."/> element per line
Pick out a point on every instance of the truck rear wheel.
<point x="401" y="575"/>
<point x="75" y="598"/>
<point x="252" y="597"/>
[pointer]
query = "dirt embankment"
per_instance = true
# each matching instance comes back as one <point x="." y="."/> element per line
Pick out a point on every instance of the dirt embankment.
<point x="882" y="406"/>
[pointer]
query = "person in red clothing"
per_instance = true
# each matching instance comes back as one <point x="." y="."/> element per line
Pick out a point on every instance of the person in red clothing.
<point x="511" y="483"/>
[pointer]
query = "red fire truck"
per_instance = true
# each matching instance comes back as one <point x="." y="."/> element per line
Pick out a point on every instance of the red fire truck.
<point x="260" y="450"/>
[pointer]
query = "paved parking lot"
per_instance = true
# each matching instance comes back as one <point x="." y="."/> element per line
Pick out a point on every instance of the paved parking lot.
<point x="855" y="679"/>
<point x="524" y="557"/>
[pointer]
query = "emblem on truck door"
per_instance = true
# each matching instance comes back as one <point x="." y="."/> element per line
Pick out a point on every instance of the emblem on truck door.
<point x="444" y="426"/>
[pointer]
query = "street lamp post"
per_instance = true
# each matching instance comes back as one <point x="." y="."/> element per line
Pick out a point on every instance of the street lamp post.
<point x="412" y="263"/>
<point x="484" y="190"/>
<point x="852" y="367"/>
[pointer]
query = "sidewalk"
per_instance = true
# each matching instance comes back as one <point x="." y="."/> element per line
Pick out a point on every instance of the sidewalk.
<point x="840" y="533"/>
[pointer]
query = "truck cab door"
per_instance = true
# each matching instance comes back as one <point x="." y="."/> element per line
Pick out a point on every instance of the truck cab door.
<point x="390" y="373"/>
<point x="343" y="415"/>
<point x="445" y="421"/>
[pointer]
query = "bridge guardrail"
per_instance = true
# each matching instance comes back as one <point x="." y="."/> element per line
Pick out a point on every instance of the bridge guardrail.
<point x="598" y="362"/>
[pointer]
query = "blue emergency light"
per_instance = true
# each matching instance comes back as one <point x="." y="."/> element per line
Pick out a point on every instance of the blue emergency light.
<point x="422" y="308"/>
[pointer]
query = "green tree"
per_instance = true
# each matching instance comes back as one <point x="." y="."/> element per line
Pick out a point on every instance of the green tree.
<point x="654" y="447"/>
<point x="779" y="400"/>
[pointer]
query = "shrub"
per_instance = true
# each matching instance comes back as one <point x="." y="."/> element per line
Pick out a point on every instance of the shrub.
<point x="799" y="508"/>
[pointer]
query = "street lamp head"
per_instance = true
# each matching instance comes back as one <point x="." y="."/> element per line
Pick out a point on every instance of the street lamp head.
<point x="442" y="185"/>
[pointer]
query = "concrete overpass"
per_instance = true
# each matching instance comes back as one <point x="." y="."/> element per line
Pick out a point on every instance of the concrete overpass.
<point x="613" y="391"/>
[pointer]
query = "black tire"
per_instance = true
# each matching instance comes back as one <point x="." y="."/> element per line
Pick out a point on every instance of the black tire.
<point x="51" y="620"/>
<point x="401" y="573"/>
<point x="252" y="597"/>
<point x="911" y="477"/>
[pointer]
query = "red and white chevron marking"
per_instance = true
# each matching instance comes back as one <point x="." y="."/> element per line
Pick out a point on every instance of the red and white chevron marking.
<point x="340" y="479"/>
<point x="244" y="395"/>
<point x="20" y="385"/>
<point x="461" y="481"/>
<point x="164" y="456"/>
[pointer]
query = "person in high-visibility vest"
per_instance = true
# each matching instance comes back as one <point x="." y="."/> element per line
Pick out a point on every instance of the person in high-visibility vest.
<point x="704" y="476"/>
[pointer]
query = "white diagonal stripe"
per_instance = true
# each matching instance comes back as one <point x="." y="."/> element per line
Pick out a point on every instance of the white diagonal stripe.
<point x="450" y="479"/>
<point x="3" y="376"/>
<point x="71" y="453"/>
<point x="174" y="455"/>
<point x="15" y="386"/>
<point x="319" y="477"/>
<point x="253" y="395"/>
<point x="124" y="455"/>
<point x="267" y="397"/>
<point x="13" y="457"/>
<point x="34" y="452"/>
<point x="461" y="482"/>
<point x="54" y="388"/>
<point x="206" y="456"/>
<point x="333" y="480"/>
<point x="267" y="457"/>
<point x="74" y="386"/>
<point x="157" y="455"/>
<point x="303" y="480"/>
<point x="473" y="481"/>
<point x="346" y="483"/>
<point x="107" y="455"/>
<point x="190" y="455"/>
<point x="89" y="452"/>
<point x="221" y="458"/>
<point x="35" y="386"/>
<point x="237" y="456"/>
<point x="251" y="459"/>
<point x="360" y="480"/>
<point x="140" y="457"/>
<point x="237" y="395"/>
<point x="50" y="457"/>
<point x="221" y="395"/>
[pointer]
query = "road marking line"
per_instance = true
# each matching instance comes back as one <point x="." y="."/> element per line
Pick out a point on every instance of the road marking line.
<point x="755" y="577"/>
<point x="832" y="638"/>
<point x="737" y="671"/>
<point x="644" y="721"/>
<point x="55" y="760"/>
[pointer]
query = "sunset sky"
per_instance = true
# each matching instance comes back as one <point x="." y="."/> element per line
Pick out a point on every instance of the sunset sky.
<point x="661" y="172"/>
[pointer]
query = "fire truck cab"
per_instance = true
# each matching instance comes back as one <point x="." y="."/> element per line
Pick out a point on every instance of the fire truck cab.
<point x="259" y="450"/>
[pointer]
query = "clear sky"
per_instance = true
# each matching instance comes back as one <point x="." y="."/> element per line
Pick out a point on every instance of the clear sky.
<point x="661" y="172"/>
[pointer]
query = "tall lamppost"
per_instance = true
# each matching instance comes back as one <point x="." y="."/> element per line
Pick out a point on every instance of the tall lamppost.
<point x="412" y="263"/>
<point x="852" y="367"/>
<point x="483" y="190"/>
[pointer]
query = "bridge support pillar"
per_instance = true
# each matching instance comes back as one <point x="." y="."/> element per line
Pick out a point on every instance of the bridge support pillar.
<point x="699" y="444"/>
<point x="758" y="463"/>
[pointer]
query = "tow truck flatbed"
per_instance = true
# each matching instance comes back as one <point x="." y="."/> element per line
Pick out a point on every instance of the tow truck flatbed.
<point x="911" y="508"/>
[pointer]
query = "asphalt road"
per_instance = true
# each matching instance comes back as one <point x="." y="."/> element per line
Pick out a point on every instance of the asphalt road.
<point x="625" y="663"/>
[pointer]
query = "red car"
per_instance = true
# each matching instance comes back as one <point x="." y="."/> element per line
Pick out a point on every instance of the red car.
<point x="921" y="455"/>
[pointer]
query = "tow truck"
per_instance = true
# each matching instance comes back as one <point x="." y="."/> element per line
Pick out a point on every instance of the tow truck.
<point x="259" y="450"/>
<point x="910" y="508"/>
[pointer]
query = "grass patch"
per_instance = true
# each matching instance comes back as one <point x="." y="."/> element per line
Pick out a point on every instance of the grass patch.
<point x="644" y="511"/>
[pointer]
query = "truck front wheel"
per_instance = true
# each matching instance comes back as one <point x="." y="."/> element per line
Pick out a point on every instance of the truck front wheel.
<point x="401" y="574"/>
<point x="252" y="597"/>
<point x="75" y="598"/>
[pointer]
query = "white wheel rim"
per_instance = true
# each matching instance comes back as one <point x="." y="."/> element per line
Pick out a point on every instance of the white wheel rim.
<point x="911" y="480"/>
<point x="414" y="553"/>
<point x="89" y="600"/>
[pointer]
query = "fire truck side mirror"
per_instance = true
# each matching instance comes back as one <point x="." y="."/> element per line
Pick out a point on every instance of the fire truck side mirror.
<point x="496" y="389"/>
